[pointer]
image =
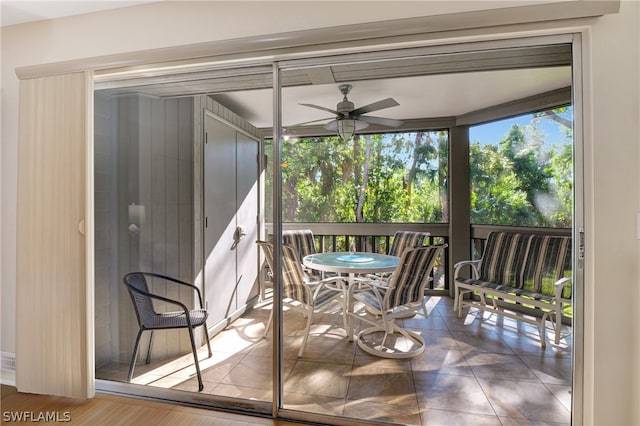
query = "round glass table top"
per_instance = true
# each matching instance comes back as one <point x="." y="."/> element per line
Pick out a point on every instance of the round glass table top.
<point x="351" y="262"/>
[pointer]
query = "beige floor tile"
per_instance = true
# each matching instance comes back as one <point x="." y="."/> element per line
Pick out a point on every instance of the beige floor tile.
<point x="330" y="347"/>
<point x="434" y="322"/>
<point x="525" y="400"/>
<point x="363" y="359"/>
<point x="251" y="370"/>
<point x="319" y="378"/>
<point x="383" y="385"/>
<point x="452" y="393"/>
<point x="499" y="366"/>
<point x="563" y="393"/>
<point x="480" y="341"/>
<point x="510" y="421"/>
<point x="381" y="412"/>
<point x="433" y="417"/>
<point x="314" y="403"/>
<point x="439" y="339"/>
<point x="550" y="370"/>
<point x="443" y="361"/>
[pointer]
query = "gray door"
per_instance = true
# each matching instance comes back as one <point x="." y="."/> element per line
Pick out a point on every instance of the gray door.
<point x="247" y="217"/>
<point x="230" y="211"/>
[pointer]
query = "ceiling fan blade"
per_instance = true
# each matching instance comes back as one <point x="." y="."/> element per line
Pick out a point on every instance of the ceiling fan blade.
<point x="382" y="104"/>
<point x="320" y="108"/>
<point x="307" y="122"/>
<point x="379" y="120"/>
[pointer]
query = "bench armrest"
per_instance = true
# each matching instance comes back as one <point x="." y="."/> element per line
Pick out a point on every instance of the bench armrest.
<point x="559" y="285"/>
<point x="474" y="267"/>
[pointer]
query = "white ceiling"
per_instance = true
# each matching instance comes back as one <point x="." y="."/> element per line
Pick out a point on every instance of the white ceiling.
<point x="445" y="95"/>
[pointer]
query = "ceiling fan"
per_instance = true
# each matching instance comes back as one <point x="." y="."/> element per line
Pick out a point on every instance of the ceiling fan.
<point x="349" y="119"/>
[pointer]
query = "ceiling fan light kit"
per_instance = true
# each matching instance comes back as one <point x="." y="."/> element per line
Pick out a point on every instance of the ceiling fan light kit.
<point x="349" y="119"/>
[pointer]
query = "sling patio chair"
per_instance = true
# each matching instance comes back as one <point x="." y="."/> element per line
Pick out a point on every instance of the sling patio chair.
<point x="404" y="293"/>
<point x="401" y="241"/>
<point x="300" y="294"/>
<point x="304" y="244"/>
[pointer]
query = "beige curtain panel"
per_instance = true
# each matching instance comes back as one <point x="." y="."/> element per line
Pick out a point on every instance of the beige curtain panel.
<point x="54" y="350"/>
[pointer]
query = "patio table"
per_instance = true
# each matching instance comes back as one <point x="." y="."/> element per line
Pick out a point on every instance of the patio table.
<point x="352" y="263"/>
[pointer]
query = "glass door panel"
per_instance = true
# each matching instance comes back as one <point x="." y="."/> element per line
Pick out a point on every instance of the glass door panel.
<point x="178" y="193"/>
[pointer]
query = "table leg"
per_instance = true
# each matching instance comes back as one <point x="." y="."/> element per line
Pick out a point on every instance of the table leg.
<point x="350" y="307"/>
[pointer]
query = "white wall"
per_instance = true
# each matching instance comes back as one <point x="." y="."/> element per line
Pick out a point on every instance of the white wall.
<point x="614" y="346"/>
<point x="612" y="326"/>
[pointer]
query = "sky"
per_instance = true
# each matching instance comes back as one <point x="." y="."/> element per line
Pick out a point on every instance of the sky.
<point x="491" y="133"/>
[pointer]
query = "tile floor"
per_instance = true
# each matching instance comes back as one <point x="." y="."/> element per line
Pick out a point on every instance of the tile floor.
<point x="480" y="370"/>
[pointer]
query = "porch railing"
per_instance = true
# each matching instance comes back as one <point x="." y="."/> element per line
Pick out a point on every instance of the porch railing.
<point x="376" y="237"/>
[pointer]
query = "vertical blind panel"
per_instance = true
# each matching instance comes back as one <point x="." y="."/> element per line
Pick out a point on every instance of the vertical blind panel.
<point x="52" y="348"/>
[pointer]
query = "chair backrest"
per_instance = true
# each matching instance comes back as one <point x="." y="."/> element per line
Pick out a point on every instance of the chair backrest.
<point x="136" y="283"/>
<point x="503" y="257"/>
<point x="548" y="260"/>
<point x="407" y="239"/>
<point x="267" y="249"/>
<point x="301" y="240"/>
<point x="407" y="283"/>
<point x="293" y="284"/>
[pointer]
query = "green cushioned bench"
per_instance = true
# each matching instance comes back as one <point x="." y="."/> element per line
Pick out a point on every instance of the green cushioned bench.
<point x="529" y="269"/>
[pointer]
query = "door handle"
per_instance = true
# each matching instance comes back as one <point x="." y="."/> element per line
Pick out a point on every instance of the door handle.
<point x="239" y="233"/>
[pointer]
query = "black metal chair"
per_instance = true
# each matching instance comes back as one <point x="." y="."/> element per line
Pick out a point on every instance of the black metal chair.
<point x="149" y="319"/>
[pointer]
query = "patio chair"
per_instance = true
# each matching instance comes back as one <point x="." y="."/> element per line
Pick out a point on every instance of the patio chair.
<point x="300" y="294"/>
<point x="389" y="302"/>
<point x="149" y="319"/>
<point x="302" y="241"/>
<point x="402" y="240"/>
<point x="407" y="239"/>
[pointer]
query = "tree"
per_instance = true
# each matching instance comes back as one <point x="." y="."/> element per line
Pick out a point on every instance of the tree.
<point x="325" y="179"/>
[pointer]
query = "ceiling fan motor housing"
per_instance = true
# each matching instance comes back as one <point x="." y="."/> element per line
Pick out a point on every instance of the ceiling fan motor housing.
<point x="346" y="106"/>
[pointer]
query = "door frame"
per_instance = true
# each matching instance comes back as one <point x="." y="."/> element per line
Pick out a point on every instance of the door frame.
<point x="582" y="147"/>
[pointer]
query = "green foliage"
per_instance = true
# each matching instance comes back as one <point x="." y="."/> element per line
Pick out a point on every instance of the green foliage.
<point x="398" y="177"/>
<point x="403" y="177"/>
<point x="520" y="182"/>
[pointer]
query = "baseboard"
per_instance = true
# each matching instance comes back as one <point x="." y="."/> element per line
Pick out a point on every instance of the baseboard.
<point x="8" y="370"/>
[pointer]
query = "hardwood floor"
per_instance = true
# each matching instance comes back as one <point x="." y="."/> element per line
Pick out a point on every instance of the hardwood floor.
<point x="112" y="410"/>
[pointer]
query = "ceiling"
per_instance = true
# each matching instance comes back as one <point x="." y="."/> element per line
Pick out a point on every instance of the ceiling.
<point x="428" y="86"/>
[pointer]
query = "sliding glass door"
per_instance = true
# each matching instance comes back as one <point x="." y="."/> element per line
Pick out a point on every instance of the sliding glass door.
<point x="191" y="172"/>
<point x="178" y="193"/>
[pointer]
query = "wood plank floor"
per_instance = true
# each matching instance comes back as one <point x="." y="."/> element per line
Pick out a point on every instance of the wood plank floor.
<point x="113" y="410"/>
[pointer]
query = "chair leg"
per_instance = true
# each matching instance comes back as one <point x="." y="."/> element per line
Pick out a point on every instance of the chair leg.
<point x="195" y="359"/>
<point x="543" y="330"/>
<point x="558" y="324"/>
<point x="306" y="332"/>
<point x="206" y="335"/>
<point x="148" y="360"/>
<point x="268" y="326"/>
<point x="134" y="356"/>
